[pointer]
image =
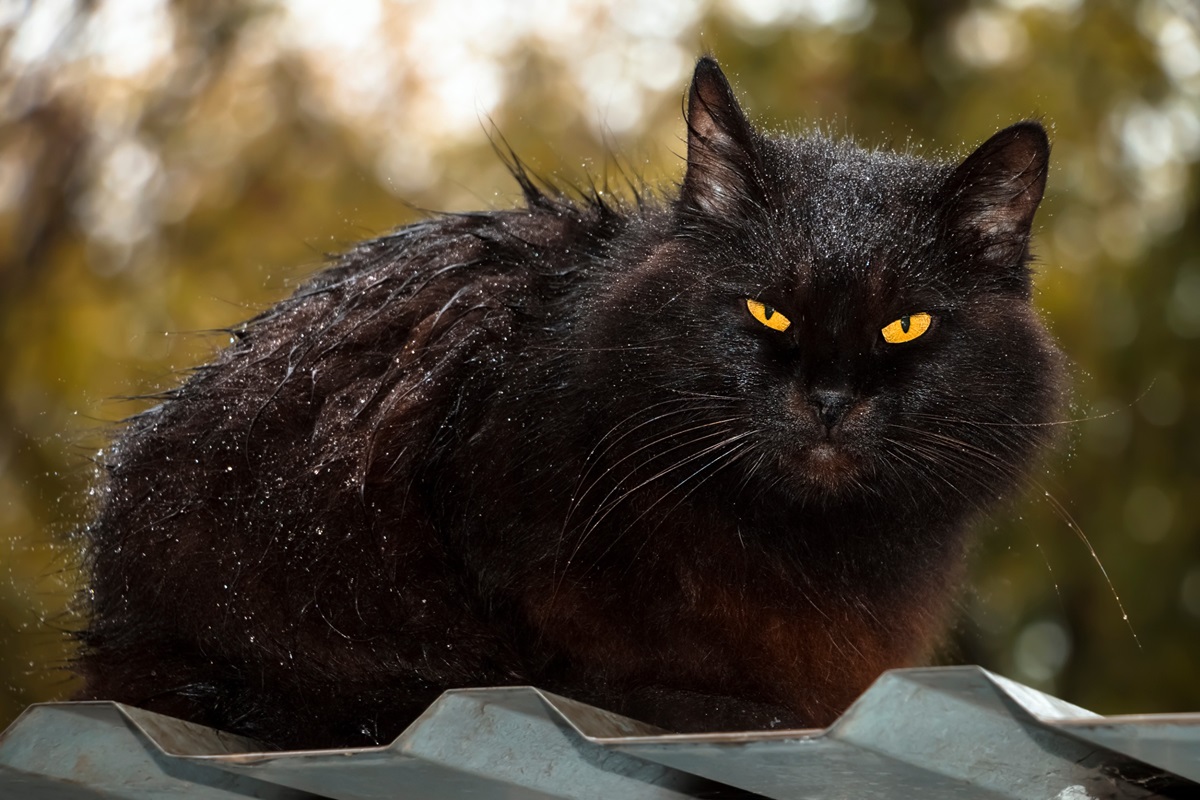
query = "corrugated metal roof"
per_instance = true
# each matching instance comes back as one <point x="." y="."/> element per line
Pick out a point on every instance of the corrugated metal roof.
<point x="957" y="732"/>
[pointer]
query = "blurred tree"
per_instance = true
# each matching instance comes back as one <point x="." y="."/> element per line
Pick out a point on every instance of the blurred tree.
<point x="171" y="167"/>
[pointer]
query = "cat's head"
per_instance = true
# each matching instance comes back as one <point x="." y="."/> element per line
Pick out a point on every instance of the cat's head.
<point x="833" y="321"/>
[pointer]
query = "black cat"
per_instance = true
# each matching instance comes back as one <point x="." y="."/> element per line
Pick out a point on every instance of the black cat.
<point x="707" y="462"/>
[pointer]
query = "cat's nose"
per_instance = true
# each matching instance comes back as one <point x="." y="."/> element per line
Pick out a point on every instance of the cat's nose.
<point x="831" y="405"/>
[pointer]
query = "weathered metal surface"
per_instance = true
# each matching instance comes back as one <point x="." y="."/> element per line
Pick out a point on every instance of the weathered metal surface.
<point x="104" y="750"/>
<point x="936" y="733"/>
<point x="957" y="732"/>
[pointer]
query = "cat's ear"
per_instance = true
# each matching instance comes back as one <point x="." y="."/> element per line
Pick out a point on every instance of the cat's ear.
<point x="720" y="145"/>
<point x="992" y="196"/>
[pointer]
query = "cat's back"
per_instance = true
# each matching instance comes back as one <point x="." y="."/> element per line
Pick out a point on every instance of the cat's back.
<point x="238" y="515"/>
<point x="368" y="351"/>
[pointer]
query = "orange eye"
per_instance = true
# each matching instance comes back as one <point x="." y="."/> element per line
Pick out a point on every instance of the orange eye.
<point x="768" y="316"/>
<point x="907" y="328"/>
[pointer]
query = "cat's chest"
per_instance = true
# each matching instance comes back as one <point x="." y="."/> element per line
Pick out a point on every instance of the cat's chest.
<point x="807" y="648"/>
<point x="731" y="623"/>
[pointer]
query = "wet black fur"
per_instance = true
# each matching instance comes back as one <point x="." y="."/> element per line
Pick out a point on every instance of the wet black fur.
<point x="550" y="446"/>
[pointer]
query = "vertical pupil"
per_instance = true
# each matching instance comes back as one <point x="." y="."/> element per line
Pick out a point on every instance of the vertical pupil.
<point x="904" y="323"/>
<point x="769" y="312"/>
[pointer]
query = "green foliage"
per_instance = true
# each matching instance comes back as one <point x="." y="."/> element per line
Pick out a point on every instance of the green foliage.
<point x="141" y="206"/>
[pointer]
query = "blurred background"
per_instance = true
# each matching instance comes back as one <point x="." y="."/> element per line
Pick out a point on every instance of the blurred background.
<point x="168" y="168"/>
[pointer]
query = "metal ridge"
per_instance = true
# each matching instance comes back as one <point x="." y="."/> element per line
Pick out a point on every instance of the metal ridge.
<point x="950" y="732"/>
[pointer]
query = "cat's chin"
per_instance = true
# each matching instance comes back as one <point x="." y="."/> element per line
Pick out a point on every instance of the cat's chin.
<point x="829" y="467"/>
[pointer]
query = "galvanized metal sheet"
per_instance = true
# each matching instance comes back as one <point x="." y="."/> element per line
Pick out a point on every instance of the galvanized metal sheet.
<point x="957" y="732"/>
